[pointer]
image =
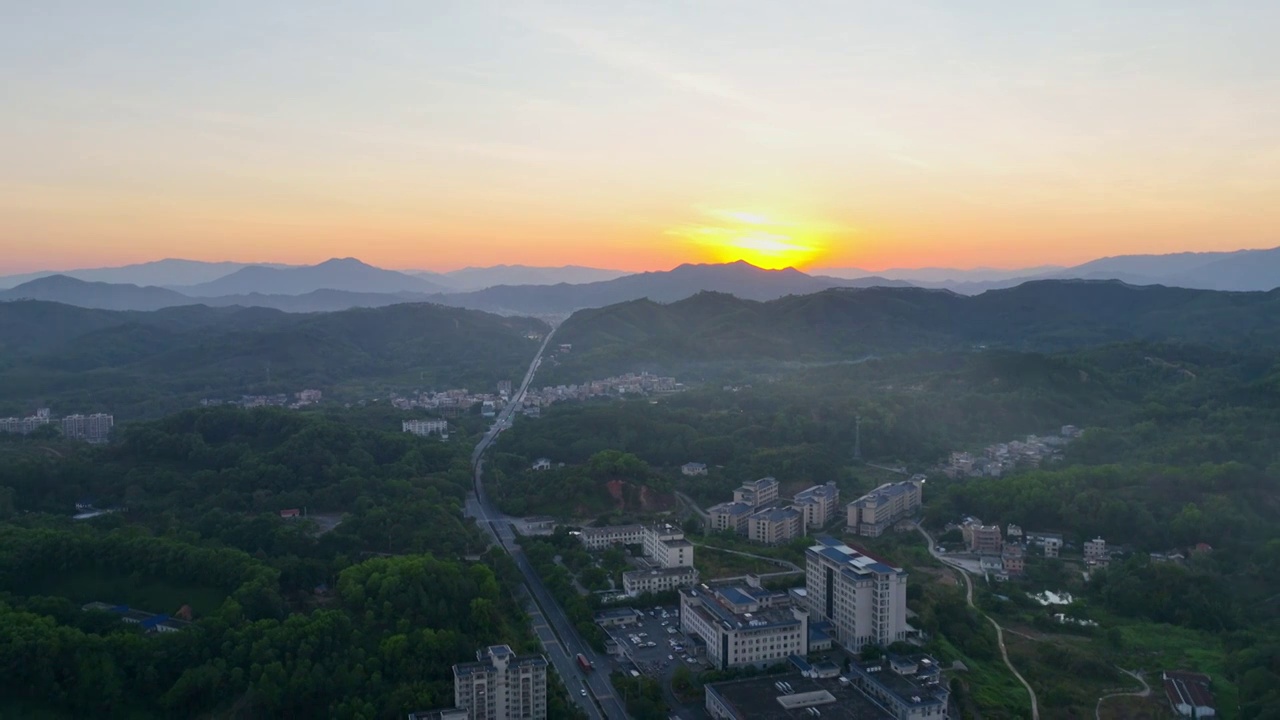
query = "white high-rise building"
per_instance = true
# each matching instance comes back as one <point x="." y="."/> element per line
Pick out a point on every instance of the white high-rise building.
<point x="502" y="685"/>
<point x="864" y="598"/>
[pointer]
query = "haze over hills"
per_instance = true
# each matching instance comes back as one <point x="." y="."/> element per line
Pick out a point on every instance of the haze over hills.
<point x="1047" y="315"/>
<point x="159" y="272"/>
<point x="346" y="274"/>
<point x="479" y="278"/>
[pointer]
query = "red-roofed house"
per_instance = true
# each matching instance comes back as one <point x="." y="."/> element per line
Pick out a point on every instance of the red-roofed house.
<point x="1189" y="694"/>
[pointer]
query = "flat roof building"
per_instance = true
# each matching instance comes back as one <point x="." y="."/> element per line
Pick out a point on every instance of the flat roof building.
<point x="790" y="697"/>
<point x="863" y="597"/>
<point x="743" y="625"/>
<point x="638" y="582"/>
<point x="909" y="687"/>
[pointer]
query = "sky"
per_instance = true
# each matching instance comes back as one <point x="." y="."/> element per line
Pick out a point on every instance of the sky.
<point x="636" y="135"/>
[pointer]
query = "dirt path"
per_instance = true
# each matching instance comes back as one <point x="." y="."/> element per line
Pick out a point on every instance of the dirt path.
<point x="968" y="596"/>
<point x="1144" y="692"/>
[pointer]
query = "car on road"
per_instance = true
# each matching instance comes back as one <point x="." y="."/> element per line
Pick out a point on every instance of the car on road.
<point x="671" y="657"/>
<point x="584" y="692"/>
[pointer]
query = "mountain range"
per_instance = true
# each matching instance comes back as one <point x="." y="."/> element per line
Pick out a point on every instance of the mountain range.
<point x="343" y="283"/>
<point x="846" y="324"/>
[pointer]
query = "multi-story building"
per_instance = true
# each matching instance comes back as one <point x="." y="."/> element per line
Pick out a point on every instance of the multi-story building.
<point x="864" y="598"/>
<point x="793" y="696"/>
<point x="663" y="544"/>
<point x="1095" y="550"/>
<point x="25" y="425"/>
<point x="656" y="580"/>
<point x="693" y="468"/>
<point x="1013" y="560"/>
<point x="601" y="538"/>
<point x="879" y="509"/>
<point x="982" y="539"/>
<point x="776" y="525"/>
<point x="501" y="685"/>
<point x="910" y="688"/>
<point x="1051" y="543"/>
<point x="818" y="504"/>
<point x="757" y="493"/>
<point x="729" y="516"/>
<point x="426" y="427"/>
<point x="666" y="545"/>
<point x="94" y="428"/>
<point x="445" y="714"/>
<point x="743" y="625"/>
<point x="310" y="396"/>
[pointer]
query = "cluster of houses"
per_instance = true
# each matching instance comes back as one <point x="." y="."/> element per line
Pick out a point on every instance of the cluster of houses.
<point x="1002" y="458"/>
<point x="629" y="384"/>
<point x="300" y="399"/>
<point x="455" y="401"/>
<point x="757" y="512"/>
<point x="95" y="428"/>
<point x="1003" y="554"/>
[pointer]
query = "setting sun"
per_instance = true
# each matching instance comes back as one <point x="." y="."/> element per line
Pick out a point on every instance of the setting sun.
<point x="762" y="240"/>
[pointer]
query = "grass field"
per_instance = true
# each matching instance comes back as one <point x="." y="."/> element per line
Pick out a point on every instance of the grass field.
<point x="712" y="564"/>
<point x="142" y="593"/>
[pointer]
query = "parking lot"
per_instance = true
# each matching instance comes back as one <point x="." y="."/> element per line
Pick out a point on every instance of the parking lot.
<point x="651" y="644"/>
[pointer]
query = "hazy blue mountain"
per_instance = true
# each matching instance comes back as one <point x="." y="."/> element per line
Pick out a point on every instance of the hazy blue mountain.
<point x="163" y="273"/>
<point x="346" y="274"/>
<point x="740" y="279"/>
<point x="479" y="278"/>
<point x="939" y="274"/>
<point x="106" y="296"/>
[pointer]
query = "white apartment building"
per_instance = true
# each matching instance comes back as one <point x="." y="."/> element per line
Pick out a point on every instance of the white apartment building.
<point x="818" y="504"/>
<point x="94" y="428"/>
<point x="776" y="526"/>
<point x="426" y="427"/>
<point x="638" y="582"/>
<point x="864" y="598"/>
<point x="1096" y="550"/>
<point x="502" y="685"/>
<point x="743" y="625"/>
<point x="730" y="516"/>
<point x="757" y="493"/>
<point x="879" y="509"/>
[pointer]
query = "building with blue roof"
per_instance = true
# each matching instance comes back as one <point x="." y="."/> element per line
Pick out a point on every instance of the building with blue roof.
<point x="878" y="510"/>
<point x="744" y="625"/>
<point x="863" y="597"/>
<point x="776" y="526"/>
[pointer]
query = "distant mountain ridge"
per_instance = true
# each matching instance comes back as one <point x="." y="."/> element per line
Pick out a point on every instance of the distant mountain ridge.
<point x="478" y="278"/>
<point x="160" y="273"/>
<point x="346" y="274"/>
<point x="1045" y="315"/>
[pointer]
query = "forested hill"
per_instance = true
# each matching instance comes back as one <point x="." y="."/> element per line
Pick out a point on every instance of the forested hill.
<point x="144" y="363"/>
<point x="1049" y="315"/>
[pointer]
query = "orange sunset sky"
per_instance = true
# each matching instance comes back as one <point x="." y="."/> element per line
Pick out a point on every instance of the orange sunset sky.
<point x="636" y="135"/>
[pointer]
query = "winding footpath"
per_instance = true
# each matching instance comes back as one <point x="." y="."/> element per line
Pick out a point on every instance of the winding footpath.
<point x="968" y="596"/>
<point x="1144" y="692"/>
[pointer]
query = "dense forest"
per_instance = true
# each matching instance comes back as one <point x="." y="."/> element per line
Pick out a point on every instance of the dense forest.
<point x="145" y="364"/>
<point x="293" y="617"/>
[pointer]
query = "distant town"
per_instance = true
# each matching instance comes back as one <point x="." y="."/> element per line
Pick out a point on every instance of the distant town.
<point x="300" y="399"/>
<point x="1002" y="458"/>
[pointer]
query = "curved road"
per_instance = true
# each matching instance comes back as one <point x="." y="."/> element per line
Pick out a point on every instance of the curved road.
<point x="1144" y="692"/>
<point x="968" y="596"/>
<point x="554" y="630"/>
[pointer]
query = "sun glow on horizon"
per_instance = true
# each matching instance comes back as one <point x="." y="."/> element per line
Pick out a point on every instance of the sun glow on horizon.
<point x="762" y="240"/>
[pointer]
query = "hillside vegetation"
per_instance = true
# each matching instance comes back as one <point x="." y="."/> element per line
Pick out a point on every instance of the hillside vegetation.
<point x="144" y="363"/>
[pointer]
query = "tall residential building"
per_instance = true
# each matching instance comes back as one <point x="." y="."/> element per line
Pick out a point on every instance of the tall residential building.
<point x="426" y="427"/>
<point x="775" y="526"/>
<point x="879" y="509"/>
<point x="729" y="516"/>
<point x="1095" y="550"/>
<point x="818" y="504"/>
<point x="25" y="425"/>
<point x="501" y="685"/>
<point x="94" y="428"/>
<point x="864" y="598"/>
<point x="743" y="625"/>
<point x="757" y="493"/>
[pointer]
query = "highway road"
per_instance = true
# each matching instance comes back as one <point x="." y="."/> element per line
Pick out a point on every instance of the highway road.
<point x="559" y="638"/>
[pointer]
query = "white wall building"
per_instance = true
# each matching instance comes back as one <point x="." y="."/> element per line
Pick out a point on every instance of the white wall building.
<point x="864" y="598"/>
<point x="426" y="427"/>
<point x="879" y="509"/>
<point x="743" y="625"/>
<point x="638" y="582"/>
<point x="757" y="493"/>
<point x="818" y="504"/>
<point x="775" y="526"/>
